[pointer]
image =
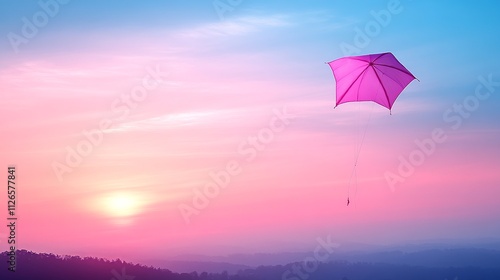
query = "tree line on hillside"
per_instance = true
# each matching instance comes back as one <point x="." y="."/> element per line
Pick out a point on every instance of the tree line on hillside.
<point x="35" y="266"/>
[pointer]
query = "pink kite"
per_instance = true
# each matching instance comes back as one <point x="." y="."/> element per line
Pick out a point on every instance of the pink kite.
<point x="376" y="77"/>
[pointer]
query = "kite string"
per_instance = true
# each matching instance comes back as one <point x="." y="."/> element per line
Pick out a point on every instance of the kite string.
<point x="357" y="137"/>
<point x="357" y="145"/>
<point x="357" y="134"/>
<point x="358" y="149"/>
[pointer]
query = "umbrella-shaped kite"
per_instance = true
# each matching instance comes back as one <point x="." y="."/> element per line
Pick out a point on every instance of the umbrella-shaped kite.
<point x="375" y="77"/>
<point x="379" y="78"/>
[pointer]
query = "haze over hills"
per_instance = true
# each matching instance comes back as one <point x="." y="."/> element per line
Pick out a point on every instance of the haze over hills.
<point x="435" y="264"/>
<point x="482" y="253"/>
<point x="430" y="258"/>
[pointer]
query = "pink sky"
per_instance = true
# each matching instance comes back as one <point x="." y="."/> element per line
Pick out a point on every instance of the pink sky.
<point x="125" y="195"/>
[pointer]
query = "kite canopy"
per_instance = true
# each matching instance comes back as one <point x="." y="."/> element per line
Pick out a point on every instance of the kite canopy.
<point x="376" y="77"/>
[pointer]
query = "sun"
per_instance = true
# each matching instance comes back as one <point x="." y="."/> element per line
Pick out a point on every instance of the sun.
<point x="119" y="207"/>
<point x="121" y="204"/>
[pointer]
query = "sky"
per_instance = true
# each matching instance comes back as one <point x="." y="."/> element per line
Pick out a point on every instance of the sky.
<point x="161" y="128"/>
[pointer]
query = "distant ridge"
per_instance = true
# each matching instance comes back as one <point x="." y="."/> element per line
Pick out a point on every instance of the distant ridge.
<point x="462" y="264"/>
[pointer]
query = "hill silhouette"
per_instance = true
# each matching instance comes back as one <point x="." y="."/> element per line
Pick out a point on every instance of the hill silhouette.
<point x="35" y="266"/>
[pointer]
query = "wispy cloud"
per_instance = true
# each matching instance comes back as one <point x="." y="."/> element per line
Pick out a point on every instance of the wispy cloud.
<point x="188" y="118"/>
<point x="234" y="27"/>
<point x="328" y="20"/>
<point x="168" y="121"/>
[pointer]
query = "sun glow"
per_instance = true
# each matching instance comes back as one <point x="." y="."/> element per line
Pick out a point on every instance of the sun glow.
<point x="121" y="204"/>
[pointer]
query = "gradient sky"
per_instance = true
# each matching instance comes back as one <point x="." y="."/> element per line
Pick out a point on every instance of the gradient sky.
<point x="227" y="76"/>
